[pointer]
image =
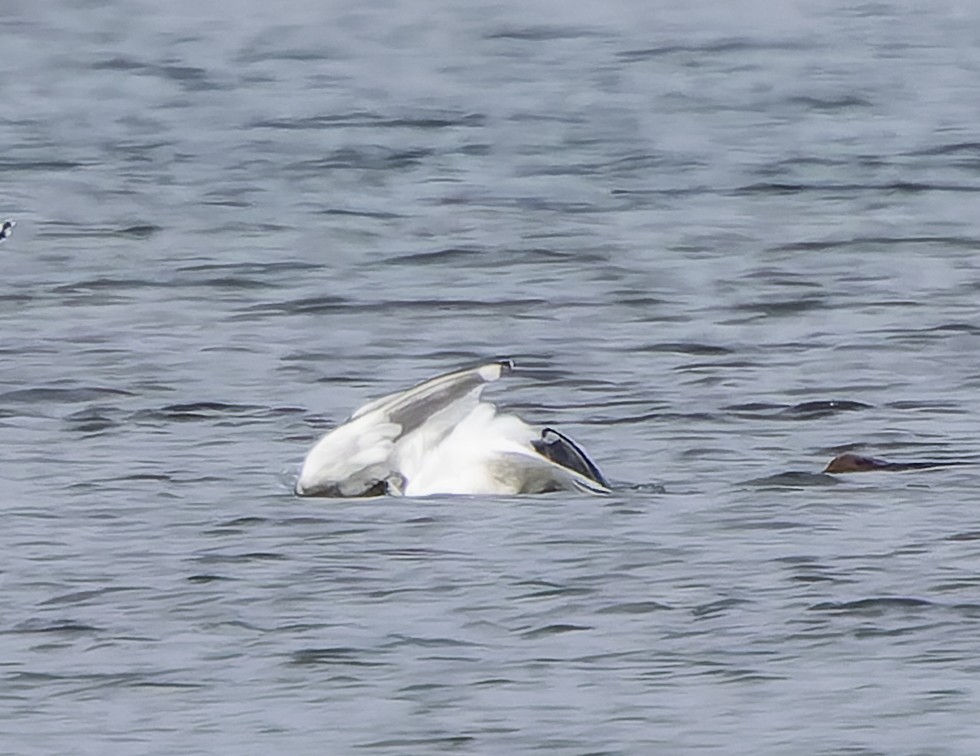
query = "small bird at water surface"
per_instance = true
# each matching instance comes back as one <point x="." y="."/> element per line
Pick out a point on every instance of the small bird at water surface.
<point x="851" y="463"/>
<point x="439" y="438"/>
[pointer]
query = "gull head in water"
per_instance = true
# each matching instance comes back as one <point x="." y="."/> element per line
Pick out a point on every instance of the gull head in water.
<point x="439" y="437"/>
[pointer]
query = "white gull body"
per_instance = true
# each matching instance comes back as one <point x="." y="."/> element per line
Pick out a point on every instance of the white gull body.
<point x="439" y="438"/>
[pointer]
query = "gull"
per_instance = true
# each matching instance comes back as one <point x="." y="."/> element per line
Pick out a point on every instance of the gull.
<point x="439" y="437"/>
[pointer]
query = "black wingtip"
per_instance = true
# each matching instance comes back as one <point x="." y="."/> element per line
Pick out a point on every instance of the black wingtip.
<point x="561" y="450"/>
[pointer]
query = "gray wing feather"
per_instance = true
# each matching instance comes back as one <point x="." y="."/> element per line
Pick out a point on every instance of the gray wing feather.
<point x="413" y="407"/>
<point x="357" y="457"/>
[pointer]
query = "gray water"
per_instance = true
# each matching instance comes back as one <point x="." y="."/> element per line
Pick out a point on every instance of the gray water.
<point x="723" y="242"/>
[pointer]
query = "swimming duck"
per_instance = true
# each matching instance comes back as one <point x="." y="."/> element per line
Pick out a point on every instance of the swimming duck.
<point x="850" y="463"/>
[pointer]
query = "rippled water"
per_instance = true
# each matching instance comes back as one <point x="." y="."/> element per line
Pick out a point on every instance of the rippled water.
<point x="725" y="242"/>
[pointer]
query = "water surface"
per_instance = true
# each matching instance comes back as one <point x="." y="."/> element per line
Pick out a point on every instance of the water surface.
<point x="722" y="243"/>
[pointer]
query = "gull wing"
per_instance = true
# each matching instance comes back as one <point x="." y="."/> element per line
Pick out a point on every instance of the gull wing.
<point x="565" y="453"/>
<point x="414" y="406"/>
<point x="358" y="457"/>
<point x="490" y="454"/>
